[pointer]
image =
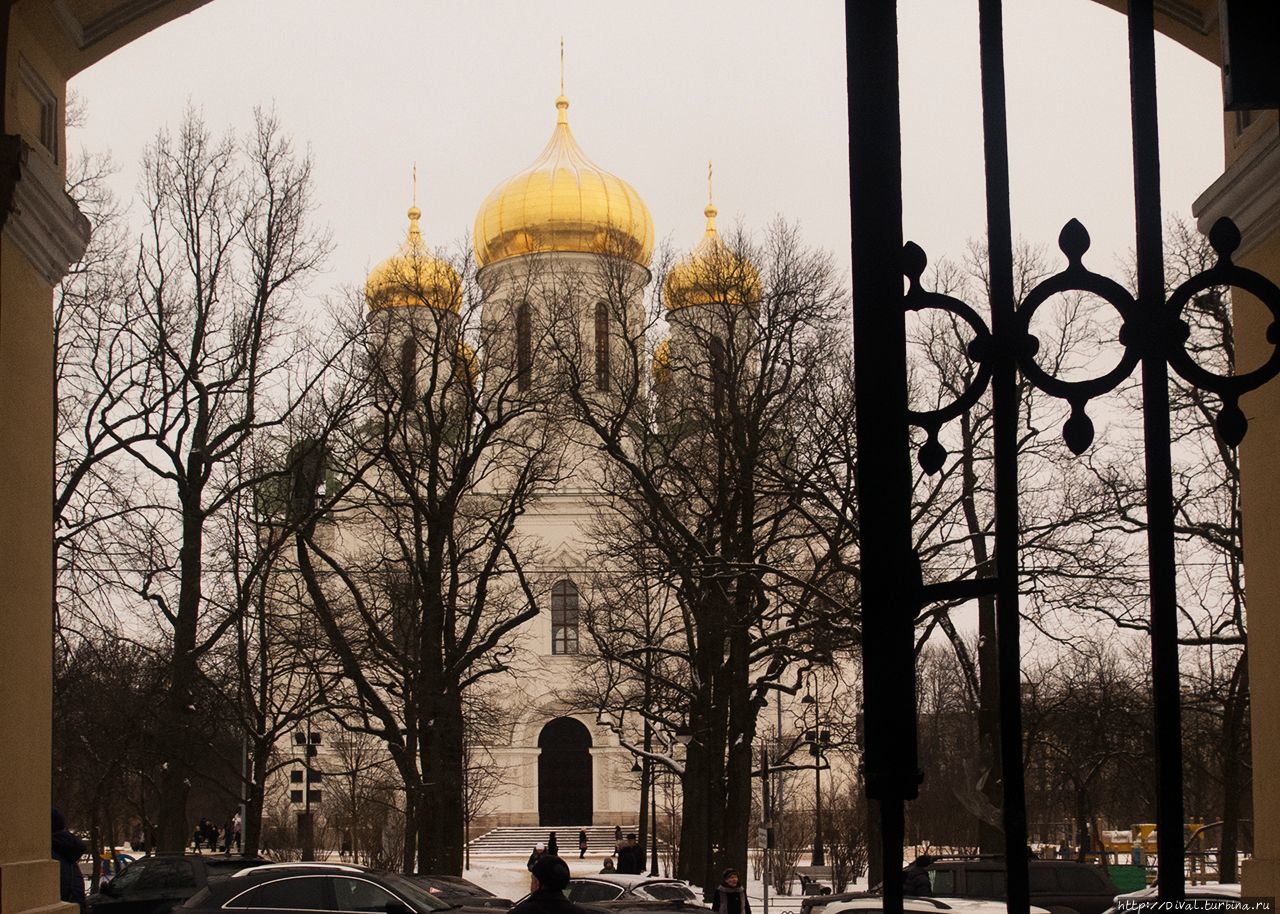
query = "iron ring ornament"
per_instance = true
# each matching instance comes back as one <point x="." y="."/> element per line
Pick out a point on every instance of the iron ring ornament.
<point x="1231" y="423"/>
<point x="932" y="454"/>
<point x="1168" y="331"/>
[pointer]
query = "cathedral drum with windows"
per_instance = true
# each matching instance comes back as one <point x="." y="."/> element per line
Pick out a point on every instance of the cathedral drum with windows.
<point x="549" y="241"/>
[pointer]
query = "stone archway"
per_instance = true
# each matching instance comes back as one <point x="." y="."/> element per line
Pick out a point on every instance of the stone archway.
<point x="564" y="773"/>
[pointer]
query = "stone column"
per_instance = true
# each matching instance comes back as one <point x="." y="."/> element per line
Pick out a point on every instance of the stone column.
<point x="1249" y="192"/>
<point x="42" y="233"/>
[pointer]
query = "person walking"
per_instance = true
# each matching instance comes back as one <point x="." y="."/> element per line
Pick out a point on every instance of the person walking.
<point x="547" y="881"/>
<point x="582" y="844"/>
<point x="729" y="896"/>
<point x="617" y="835"/>
<point x="539" y="850"/>
<point x="67" y="850"/>
<point x="553" y="846"/>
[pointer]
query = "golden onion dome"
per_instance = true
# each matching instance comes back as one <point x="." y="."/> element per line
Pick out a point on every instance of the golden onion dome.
<point x="414" y="277"/>
<point x="563" y="202"/>
<point x="662" y="361"/>
<point x="711" y="274"/>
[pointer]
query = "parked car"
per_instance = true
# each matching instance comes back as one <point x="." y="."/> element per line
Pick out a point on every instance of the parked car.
<point x="874" y="904"/>
<point x="611" y="887"/>
<point x="286" y="888"/>
<point x="155" y="883"/>
<point x="1062" y="886"/>
<point x="818" y="904"/>
<point x="1133" y="901"/>
<point x="457" y="891"/>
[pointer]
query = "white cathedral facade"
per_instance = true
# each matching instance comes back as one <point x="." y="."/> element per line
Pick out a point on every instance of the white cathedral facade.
<point x="561" y="216"/>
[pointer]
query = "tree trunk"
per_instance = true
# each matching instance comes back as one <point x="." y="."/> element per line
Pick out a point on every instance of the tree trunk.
<point x="694" y="801"/>
<point x="1233" y="760"/>
<point x="441" y="812"/>
<point x="251" y="827"/>
<point x="178" y="719"/>
<point x="990" y="836"/>
<point x="738" y="782"/>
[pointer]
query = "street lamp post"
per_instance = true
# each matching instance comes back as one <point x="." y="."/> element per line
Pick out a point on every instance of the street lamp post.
<point x="307" y="741"/>
<point x="653" y="830"/>
<point x="817" y="739"/>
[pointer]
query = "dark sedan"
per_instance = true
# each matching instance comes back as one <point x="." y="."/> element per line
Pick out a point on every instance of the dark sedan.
<point x="291" y="887"/>
<point x="154" y="884"/>
<point x="455" y="890"/>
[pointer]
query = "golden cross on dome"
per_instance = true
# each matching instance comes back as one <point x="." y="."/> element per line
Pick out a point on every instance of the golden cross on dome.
<point x="710" y="197"/>
<point x="562" y="65"/>
<point x="415" y="184"/>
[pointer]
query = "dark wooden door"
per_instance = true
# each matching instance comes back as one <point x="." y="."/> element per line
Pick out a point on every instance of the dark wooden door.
<point x="564" y="773"/>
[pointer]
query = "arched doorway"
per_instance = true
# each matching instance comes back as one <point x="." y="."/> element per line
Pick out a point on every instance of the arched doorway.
<point x="564" y="773"/>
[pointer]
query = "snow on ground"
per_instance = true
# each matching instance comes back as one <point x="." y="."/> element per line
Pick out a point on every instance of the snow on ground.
<point x="507" y="877"/>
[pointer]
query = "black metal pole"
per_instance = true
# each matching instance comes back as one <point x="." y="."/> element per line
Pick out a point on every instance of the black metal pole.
<point x="1004" y="401"/>
<point x="819" y="852"/>
<point x="1155" y="420"/>
<point x="653" y="821"/>
<point x="890" y="570"/>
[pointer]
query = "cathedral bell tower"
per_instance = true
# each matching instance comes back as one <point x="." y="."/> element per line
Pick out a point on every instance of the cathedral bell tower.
<point x="414" y="300"/>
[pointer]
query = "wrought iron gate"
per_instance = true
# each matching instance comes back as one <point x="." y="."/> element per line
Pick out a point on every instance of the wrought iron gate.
<point x="1152" y="337"/>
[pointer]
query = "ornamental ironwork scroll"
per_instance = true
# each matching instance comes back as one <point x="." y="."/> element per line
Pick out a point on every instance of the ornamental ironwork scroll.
<point x="1169" y="332"/>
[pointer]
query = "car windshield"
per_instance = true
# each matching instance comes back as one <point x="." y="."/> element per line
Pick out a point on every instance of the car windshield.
<point x="415" y="892"/>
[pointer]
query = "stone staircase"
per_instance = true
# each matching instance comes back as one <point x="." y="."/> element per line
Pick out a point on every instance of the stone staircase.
<point x="518" y="840"/>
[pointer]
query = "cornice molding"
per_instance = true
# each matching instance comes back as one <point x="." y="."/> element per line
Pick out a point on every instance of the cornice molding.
<point x="44" y="223"/>
<point x="84" y="34"/>
<point x="1248" y="192"/>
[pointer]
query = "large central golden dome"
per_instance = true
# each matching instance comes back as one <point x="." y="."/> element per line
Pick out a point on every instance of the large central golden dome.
<point x="563" y="202"/>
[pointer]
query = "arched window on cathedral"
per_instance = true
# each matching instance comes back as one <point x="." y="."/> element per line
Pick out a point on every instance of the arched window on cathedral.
<point x="564" y="618"/>
<point x="408" y="369"/>
<point x="602" y="346"/>
<point x="524" y="346"/>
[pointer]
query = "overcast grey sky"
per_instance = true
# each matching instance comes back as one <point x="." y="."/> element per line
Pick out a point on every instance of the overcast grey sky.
<point x="467" y="90"/>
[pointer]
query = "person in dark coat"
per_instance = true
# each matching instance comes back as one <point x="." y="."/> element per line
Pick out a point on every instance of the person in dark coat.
<point x="617" y="834"/>
<point x="553" y="847"/>
<point x="628" y="858"/>
<point x="608" y="866"/>
<point x="915" y="878"/>
<point x="582" y="844"/>
<point x="67" y="850"/>
<point x="729" y="896"/>
<point x="539" y="850"/>
<point x="547" y="881"/>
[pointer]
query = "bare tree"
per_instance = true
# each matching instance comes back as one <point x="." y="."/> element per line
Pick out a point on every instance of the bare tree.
<point x="693" y="497"/>
<point x="418" y="572"/>
<point x="214" y="363"/>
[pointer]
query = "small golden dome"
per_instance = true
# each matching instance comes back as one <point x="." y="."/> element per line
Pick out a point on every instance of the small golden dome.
<point x="563" y="202"/>
<point x="711" y="274"/>
<point x="662" y="361"/>
<point x="414" y="277"/>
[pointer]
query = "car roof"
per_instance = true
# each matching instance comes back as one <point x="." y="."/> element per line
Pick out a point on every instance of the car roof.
<point x="626" y="880"/>
<point x="927" y="905"/>
<point x="299" y="867"/>
<point x="1212" y="890"/>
